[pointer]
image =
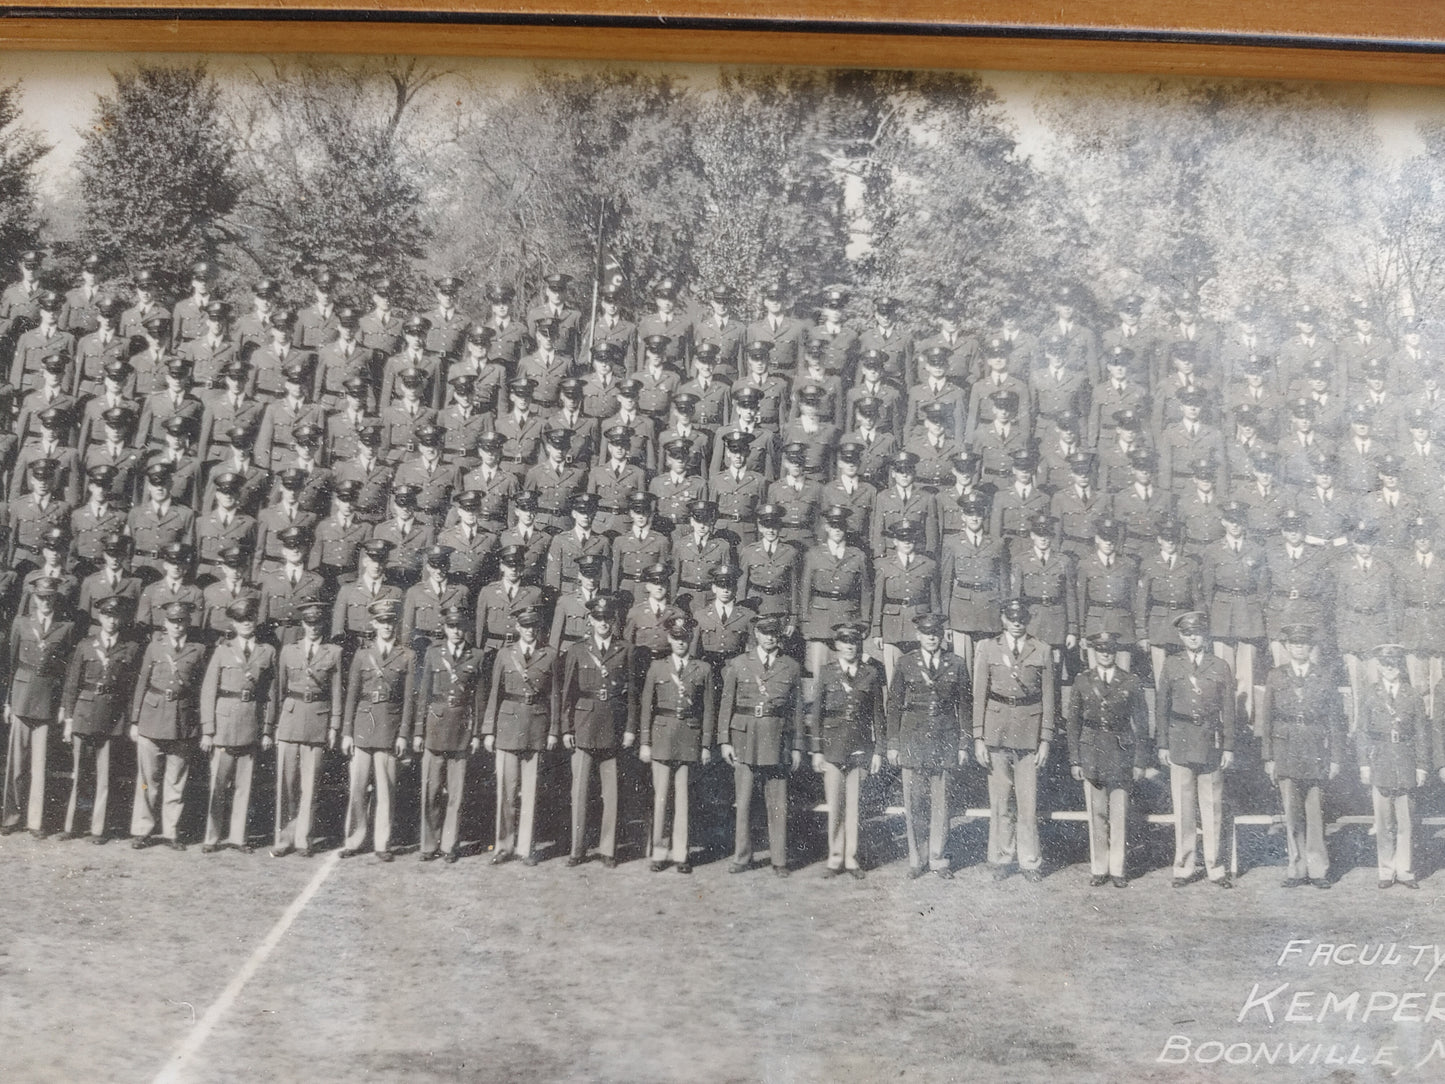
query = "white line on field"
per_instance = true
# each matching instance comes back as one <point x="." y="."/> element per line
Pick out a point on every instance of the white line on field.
<point x="193" y="1042"/>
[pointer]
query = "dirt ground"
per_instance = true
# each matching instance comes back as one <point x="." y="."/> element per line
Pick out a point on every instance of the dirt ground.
<point x="471" y="972"/>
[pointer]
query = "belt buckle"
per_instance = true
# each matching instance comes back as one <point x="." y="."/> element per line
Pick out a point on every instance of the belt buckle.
<point x="1294" y="593"/>
<point x="172" y="696"/>
<point x="379" y="696"/>
<point x="602" y="694"/>
<point x="1395" y="737"/>
<point x="757" y="711"/>
<point x="247" y="695"/>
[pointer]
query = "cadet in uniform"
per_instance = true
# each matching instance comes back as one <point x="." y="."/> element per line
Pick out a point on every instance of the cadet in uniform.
<point x="1196" y="719"/>
<point x="927" y="736"/>
<point x="845" y="739"/>
<point x="165" y="724"/>
<point x="678" y="729"/>
<point x="760" y="720"/>
<point x="1395" y="756"/>
<point x="376" y="728"/>
<point x="598" y="703"/>
<point x="837" y="588"/>
<point x="903" y="587"/>
<point x="518" y="725"/>
<point x="449" y="696"/>
<point x="974" y="576"/>
<point x="307" y="723"/>
<point x="238" y="712"/>
<point x="1302" y="732"/>
<point x="99" y="683"/>
<point x="1015" y="709"/>
<point x="39" y="646"/>
<point x="1108" y="730"/>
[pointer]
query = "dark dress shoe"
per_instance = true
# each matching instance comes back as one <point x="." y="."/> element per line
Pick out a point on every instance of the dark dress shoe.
<point x="657" y="867"/>
<point x="945" y="874"/>
<point x="574" y="860"/>
<point x="100" y="841"/>
<point x="451" y="858"/>
<point x="1181" y="882"/>
<point x="1098" y="880"/>
<point x="829" y="872"/>
<point x="244" y="848"/>
<point x="684" y="867"/>
<point x="140" y="843"/>
<point x="1033" y="876"/>
<point x="740" y="867"/>
<point x="39" y="833"/>
<point x="384" y="856"/>
<point x="1001" y="873"/>
<point x="857" y="874"/>
<point x="10" y="829"/>
<point x="66" y="837"/>
<point x="281" y="852"/>
<point x="210" y="848"/>
<point x="1294" y="882"/>
<point x="350" y="852"/>
<point x="308" y="852"/>
<point x="1320" y="882"/>
<point x="532" y="860"/>
<point x="781" y="871"/>
<point x="1120" y="882"/>
<point x="1411" y="883"/>
<point x="915" y="872"/>
<point x="1223" y="882"/>
<point x="1386" y="884"/>
<point x="498" y="857"/>
<point x="429" y="856"/>
<point x="175" y="845"/>
<point x="609" y="862"/>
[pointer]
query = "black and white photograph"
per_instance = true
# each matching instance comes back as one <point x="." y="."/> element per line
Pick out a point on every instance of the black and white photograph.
<point x="594" y="571"/>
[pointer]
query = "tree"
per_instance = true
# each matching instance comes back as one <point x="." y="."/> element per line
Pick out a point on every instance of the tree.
<point x="156" y="168"/>
<point x="20" y="150"/>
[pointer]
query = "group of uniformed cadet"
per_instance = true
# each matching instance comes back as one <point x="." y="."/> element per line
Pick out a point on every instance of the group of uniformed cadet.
<point x="694" y="534"/>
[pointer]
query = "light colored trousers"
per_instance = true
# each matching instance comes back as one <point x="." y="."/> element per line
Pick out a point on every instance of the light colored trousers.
<point x="775" y="796"/>
<point x="162" y="770"/>
<point x="443" y="784"/>
<point x="1394" y="835"/>
<point x="298" y="770"/>
<point x="583" y="761"/>
<point x="841" y="787"/>
<point x="1013" y="826"/>
<point x="363" y="763"/>
<point x="932" y="787"/>
<point x="1240" y="656"/>
<point x="1304" y="830"/>
<point x="1108" y="809"/>
<point x="89" y="756"/>
<point x="232" y="768"/>
<point x="25" y="772"/>
<point x="670" y="777"/>
<point x="1205" y="790"/>
<point x="516" y="775"/>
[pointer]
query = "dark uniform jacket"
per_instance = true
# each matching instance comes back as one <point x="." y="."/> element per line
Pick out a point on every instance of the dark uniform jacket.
<point x="379" y="700"/>
<point x="1106" y="594"/>
<point x="761" y="711"/>
<point x="1108" y="727"/>
<point x="1195" y="710"/>
<point x="522" y="704"/>
<point x="167" y="691"/>
<point x="1395" y="738"/>
<point x="974" y="579"/>
<point x="308" y="692"/>
<point x="599" y="693"/>
<point x="679" y="710"/>
<point x="846" y="717"/>
<point x="1302" y="723"/>
<point x="1365" y="604"/>
<point x="835" y="589"/>
<point x="1014" y="696"/>
<point x="37" y="666"/>
<point x="1165" y="592"/>
<point x="451" y="696"/>
<point x="928" y="712"/>
<point x="900" y="594"/>
<point x="238" y="694"/>
<point x="99" y="683"/>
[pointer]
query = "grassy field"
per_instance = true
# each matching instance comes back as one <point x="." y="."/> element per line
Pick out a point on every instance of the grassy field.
<point x="473" y="972"/>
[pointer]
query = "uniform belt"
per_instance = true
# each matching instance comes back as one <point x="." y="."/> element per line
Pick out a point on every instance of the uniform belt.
<point x="383" y="696"/>
<point x="618" y="509"/>
<point x="1014" y="701"/>
<point x="841" y="596"/>
<point x="310" y="698"/>
<point x="1290" y="594"/>
<point x="695" y="586"/>
<point x="508" y="698"/>
<point x="1365" y="613"/>
<point x="88" y="687"/>
<point x="1235" y="590"/>
<point x="1038" y="599"/>
<point x="1098" y="605"/>
<point x="675" y="715"/>
<point x="974" y="586"/>
<point x="769" y="590"/>
<point x="1171" y="601"/>
<point x="1107" y="725"/>
<point x="171" y="695"/>
<point x="1078" y="538"/>
<point x="245" y="695"/>
<point x="1190" y="718"/>
<point x="147" y="553"/>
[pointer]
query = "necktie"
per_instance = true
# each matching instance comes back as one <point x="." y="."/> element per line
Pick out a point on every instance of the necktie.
<point x="310" y="652"/>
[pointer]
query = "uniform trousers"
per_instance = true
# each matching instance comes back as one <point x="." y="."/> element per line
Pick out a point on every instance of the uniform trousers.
<point x="842" y="784"/>
<point x="25" y="771"/>
<point x="1189" y="787"/>
<point x="298" y="770"/>
<point x="1424" y="669"/>
<point x="516" y="776"/>
<point x="605" y="761"/>
<point x="162" y="769"/>
<point x="89" y="756"/>
<point x="1363" y="672"/>
<point x="1108" y="810"/>
<point x="442" y="773"/>
<point x="670" y="776"/>
<point x="1240" y="656"/>
<point x="932" y="786"/>
<point x="964" y="645"/>
<point x="1013" y="826"/>
<point x="775" y="796"/>
<point x="232" y="767"/>
<point x="1304" y="829"/>
<point x="1394" y="833"/>
<point x="363" y="763"/>
<point x="816" y="654"/>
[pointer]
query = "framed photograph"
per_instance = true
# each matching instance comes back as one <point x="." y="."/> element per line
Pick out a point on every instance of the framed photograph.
<point x="676" y="542"/>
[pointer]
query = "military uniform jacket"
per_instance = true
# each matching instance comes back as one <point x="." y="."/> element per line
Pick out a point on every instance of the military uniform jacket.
<point x="1395" y="738"/>
<point x="213" y="535"/>
<point x="771" y="580"/>
<point x="451" y="695"/>
<point x="375" y="479"/>
<point x="308" y="693"/>
<point x="599" y="693"/>
<point x="777" y="396"/>
<point x="928" y="718"/>
<point x="152" y="528"/>
<point x="522" y="703"/>
<point x="336" y="544"/>
<point x="98" y="586"/>
<point x="1235" y="585"/>
<point x="1014" y="697"/>
<point x="471" y="557"/>
<point x="351" y="612"/>
<point x="409" y="544"/>
<point x="632" y="553"/>
<point x="497" y="488"/>
<point x="379" y="700"/>
<point x="678" y="710"/>
<point x="1365" y="604"/>
<point x="1108" y="727"/>
<point x="917" y="506"/>
<point x="722" y="635"/>
<point x="99" y="683"/>
<point x="1300" y="588"/>
<point x="835" y="589"/>
<point x="165" y="702"/>
<point x="761" y="458"/>
<point x="1422" y="604"/>
<point x="674" y="494"/>
<point x="846" y="718"/>
<point x="536" y="543"/>
<point x="494" y="612"/>
<point x="974" y="580"/>
<point x="1302" y="723"/>
<point x="691" y="560"/>
<point x="1048" y="586"/>
<point x="644" y="628"/>
<point x="1195" y="710"/>
<point x="162" y="593"/>
<point x="28" y="521"/>
<point x="567" y="548"/>
<point x="238" y="694"/>
<point x="761" y="711"/>
<point x="218" y="596"/>
<point x="437" y="484"/>
<point x="1165" y="592"/>
<point x="421" y="613"/>
<point x="38" y="660"/>
<point x="614" y="484"/>
<point x="1106" y="594"/>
